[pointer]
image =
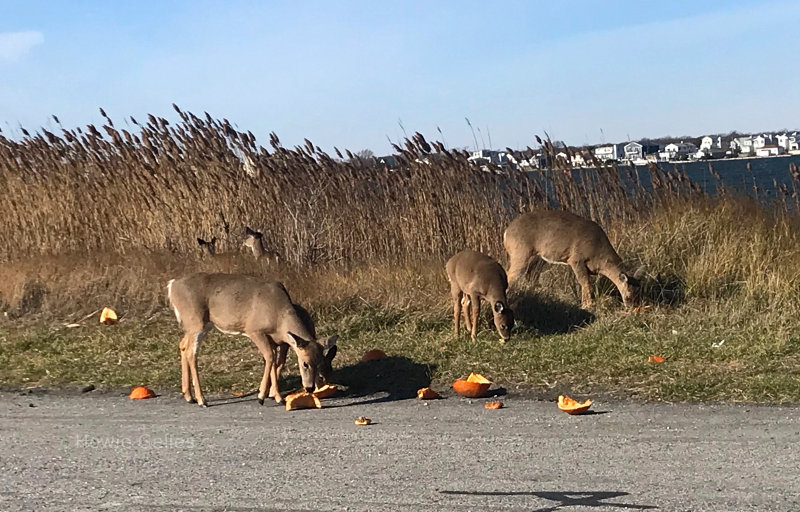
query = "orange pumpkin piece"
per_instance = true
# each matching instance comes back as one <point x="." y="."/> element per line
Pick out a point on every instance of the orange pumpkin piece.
<point x="375" y="353"/>
<point x="656" y="359"/>
<point x="475" y="386"/>
<point x="362" y="420"/>
<point x="427" y="394"/>
<point x="477" y="377"/>
<point x="326" y="391"/>
<point x="493" y="405"/>
<point x="108" y="316"/>
<point x="570" y="406"/>
<point x="302" y="400"/>
<point x="140" y="393"/>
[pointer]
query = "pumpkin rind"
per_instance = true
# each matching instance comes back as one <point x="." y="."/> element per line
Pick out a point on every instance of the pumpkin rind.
<point x="362" y="420"/>
<point x="493" y="405"/>
<point x="326" y="391"/>
<point x="478" y="378"/>
<point x="427" y="394"/>
<point x="140" y="393"/>
<point x="302" y="400"/>
<point x="570" y="406"/>
<point x="108" y="316"/>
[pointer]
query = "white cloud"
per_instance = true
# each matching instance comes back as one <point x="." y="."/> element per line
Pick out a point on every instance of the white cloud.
<point x="14" y="45"/>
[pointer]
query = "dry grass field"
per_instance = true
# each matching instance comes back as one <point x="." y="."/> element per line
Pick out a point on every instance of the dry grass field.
<point x="104" y="217"/>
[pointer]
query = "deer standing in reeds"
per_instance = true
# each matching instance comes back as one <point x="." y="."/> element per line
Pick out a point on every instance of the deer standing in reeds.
<point x="473" y="277"/>
<point x="254" y="241"/>
<point x="552" y="236"/>
<point x="258" y="309"/>
<point x="208" y="247"/>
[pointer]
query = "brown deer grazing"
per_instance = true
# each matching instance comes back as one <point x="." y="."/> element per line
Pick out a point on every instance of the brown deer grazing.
<point x="254" y="241"/>
<point x="474" y="276"/>
<point x="561" y="237"/>
<point x="253" y="307"/>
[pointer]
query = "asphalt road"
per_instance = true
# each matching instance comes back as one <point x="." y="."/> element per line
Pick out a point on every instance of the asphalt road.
<point x="105" y="452"/>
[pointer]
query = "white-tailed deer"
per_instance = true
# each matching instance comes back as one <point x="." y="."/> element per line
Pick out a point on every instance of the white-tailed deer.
<point x="254" y="241"/>
<point x="555" y="236"/>
<point x="259" y="309"/>
<point x="209" y="248"/>
<point x="474" y="277"/>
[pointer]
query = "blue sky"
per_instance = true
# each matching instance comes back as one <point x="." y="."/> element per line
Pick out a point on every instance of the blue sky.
<point x="349" y="74"/>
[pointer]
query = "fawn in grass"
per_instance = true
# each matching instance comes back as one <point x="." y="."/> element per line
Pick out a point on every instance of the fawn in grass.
<point x="474" y="277"/>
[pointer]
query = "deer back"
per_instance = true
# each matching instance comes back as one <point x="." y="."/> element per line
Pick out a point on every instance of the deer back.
<point x="558" y="237"/>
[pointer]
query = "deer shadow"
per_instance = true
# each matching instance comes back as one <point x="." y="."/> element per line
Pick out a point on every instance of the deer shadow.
<point x="564" y="498"/>
<point x="548" y="316"/>
<point x="395" y="378"/>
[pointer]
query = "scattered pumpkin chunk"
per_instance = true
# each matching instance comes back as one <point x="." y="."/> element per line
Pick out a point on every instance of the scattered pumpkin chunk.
<point x="326" y="391"/>
<point x="427" y="394"/>
<point x="570" y="406"/>
<point x="302" y="400"/>
<point x="362" y="420"/>
<point x="493" y="405"/>
<point x="108" y="316"/>
<point x="140" y="393"/>
<point x="656" y="359"/>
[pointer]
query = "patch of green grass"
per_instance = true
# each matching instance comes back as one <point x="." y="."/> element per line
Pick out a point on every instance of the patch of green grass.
<point x="710" y="354"/>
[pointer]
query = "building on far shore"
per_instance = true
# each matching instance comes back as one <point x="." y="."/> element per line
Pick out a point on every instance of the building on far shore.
<point x="638" y="152"/>
<point x="610" y="152"/>
<point x="678" y="151"/>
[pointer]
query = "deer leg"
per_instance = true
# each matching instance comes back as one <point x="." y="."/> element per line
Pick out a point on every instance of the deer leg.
<point x="266" y="346"/>
<point x="582" y="275"/>
<point x="192" y="346"/>
<point x="265" y="380"/>
<point x="466" y="304"/>
<point x="476" y="311"/>
<point x="456" y="295"/>
<point x="535" y="267"/>
<point x="186" y="373"/>
<point x="517" y="264"/>
<point x="280" y="360"/>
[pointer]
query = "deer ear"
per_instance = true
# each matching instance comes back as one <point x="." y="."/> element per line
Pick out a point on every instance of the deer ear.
<point x="331" y="353"/>
<point x="498" y="307"/>
<point x="295" y="341"/>
<point x="640" y="272"/>
<point x="329" y="347"/>
<point x="330" y="342"/>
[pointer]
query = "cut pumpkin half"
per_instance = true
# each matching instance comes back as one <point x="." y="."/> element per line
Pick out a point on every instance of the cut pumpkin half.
<point x="475" y="386"/>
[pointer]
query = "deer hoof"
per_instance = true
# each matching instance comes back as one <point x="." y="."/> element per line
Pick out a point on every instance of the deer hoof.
<point x="261" y="401"/>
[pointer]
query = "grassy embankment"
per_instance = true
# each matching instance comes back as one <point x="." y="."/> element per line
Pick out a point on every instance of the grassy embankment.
<point x="94" y="220"/>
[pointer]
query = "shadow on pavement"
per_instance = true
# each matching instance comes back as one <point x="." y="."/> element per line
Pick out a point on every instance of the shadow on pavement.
<point x="397" y="377"/>
<point x="564" y="499"/>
